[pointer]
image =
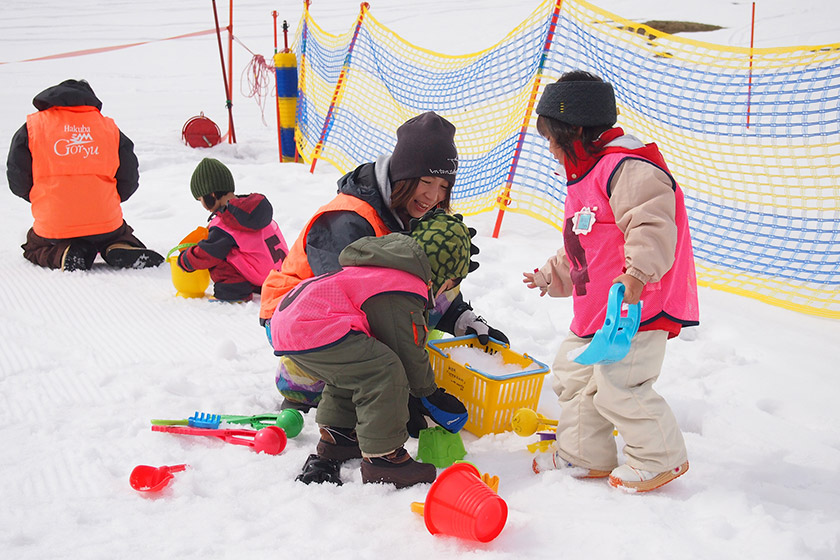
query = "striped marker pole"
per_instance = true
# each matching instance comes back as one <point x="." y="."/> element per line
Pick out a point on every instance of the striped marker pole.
<point x="342" y="77"/>
<point x="285" y="70"/>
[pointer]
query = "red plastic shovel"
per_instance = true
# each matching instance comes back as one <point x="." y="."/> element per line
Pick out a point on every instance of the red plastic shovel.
<point x="152" y="479"/>
<point x="270" y="440"/>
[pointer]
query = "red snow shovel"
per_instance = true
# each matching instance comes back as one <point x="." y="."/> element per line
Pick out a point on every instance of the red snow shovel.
<point x="270" y="440"/>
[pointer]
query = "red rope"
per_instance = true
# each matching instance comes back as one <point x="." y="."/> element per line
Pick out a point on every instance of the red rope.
<point x="114" y="48"/>
<point x="258" y="76"/>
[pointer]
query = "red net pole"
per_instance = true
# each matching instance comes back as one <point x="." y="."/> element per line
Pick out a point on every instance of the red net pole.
<point x="342" y="76"/>
<point x="504" y="199"/>
<point x="228" y="102"/>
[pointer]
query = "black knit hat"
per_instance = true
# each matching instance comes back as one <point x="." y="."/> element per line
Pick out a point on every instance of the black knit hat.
<point x="579" y="103"/>
<point x="425" y="148"/>
<point x="210" y="176"/>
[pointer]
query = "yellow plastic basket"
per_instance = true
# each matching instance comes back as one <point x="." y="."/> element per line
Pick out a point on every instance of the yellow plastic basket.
<point x="490" y="399"/>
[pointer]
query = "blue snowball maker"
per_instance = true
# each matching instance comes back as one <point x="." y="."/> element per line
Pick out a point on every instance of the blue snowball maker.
<point x="612" y="341"/>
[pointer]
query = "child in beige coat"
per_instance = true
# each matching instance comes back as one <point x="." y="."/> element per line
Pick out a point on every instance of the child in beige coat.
<point x="625" y="221"/>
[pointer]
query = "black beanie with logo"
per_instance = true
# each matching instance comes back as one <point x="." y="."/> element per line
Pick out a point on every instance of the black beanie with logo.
<point x="425" y="148"/>
<point x="582" y="103"/>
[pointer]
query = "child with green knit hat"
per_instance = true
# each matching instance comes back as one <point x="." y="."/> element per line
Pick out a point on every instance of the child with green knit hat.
<point x="362" y="331"/>
<point x="243" y="242"/>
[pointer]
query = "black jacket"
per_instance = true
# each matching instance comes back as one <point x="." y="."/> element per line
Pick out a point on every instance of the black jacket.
<point x="69" y="93"/>
<point x="333" y="231"/>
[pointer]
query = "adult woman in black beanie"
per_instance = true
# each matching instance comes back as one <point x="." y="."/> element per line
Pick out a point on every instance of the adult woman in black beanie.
<point x="376" y="199"/>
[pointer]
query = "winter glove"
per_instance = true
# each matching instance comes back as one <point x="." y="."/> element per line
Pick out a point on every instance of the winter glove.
<point x="445" y="409"/>
<point x="416" y="417"/>
<point x="320" y="470"/>
<point x="266" y="324"/>
<point x="468" y="323"/>
<point x="473" y="247"/>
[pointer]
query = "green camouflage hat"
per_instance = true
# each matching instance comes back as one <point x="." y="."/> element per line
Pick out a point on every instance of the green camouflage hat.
<point x="446" y="241"/>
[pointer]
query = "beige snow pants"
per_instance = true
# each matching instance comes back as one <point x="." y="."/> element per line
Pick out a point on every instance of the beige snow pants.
<point x="594" y="399"/>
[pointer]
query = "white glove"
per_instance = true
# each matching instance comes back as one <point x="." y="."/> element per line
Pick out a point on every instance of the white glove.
<point x="469" y="323"/>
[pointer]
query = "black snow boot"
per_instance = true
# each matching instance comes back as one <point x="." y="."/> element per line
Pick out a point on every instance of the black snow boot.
<point x="78" y="256"/>
<point x="320" y="470"/>
<point x="120" y="255"/>
<point x="297" y="405"/>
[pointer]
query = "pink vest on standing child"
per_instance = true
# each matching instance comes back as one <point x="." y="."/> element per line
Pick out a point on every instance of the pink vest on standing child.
<point x="321" y="311"/>
<point x="597" y="257"/>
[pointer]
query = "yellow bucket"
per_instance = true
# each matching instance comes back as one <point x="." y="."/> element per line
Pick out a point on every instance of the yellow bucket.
<point x="188" y="284"/>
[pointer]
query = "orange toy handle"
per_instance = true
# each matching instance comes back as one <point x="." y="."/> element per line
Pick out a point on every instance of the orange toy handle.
<point x="198" y="234"/>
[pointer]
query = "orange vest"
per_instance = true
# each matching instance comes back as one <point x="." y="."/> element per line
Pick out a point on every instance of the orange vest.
<point x="75" y="157"/>
<point x="296" y="265"/>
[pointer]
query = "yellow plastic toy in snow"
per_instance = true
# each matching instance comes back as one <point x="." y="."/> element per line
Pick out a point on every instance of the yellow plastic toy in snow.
<point x="188" y="284"/>
<point x="526" y="422"/>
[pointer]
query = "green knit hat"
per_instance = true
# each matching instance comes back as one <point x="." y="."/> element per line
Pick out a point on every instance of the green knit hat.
<point x="446" y="241"/>
<point x="211" y="176"/>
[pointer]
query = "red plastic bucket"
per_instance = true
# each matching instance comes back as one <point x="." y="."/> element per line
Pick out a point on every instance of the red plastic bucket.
<point x="201" y="132"/>
<point x="460" y="504"/>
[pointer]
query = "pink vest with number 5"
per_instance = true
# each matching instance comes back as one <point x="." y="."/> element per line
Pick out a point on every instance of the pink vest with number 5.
<point x="257" y="252"/>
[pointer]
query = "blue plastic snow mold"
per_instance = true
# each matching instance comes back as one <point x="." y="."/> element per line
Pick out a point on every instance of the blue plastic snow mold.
<point x="209" y="421"/>
<point x="612" y="341"/>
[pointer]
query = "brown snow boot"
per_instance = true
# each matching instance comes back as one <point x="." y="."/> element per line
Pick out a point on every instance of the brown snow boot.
<point x="397" y="468"/>
<point x="338" y="444"/>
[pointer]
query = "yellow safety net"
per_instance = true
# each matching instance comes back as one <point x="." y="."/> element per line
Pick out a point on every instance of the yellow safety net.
<point x="751" y="135"/>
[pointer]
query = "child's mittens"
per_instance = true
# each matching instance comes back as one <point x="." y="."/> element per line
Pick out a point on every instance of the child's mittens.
<point x="446" y="410"/>
<point x="182" y="262"/>
<point x="416" y="417"/>
<point x="266" y="324"/>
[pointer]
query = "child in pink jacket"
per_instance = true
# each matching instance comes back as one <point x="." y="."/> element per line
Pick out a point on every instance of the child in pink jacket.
<point x="243" y="243"/>
<point x="625" y="221"/>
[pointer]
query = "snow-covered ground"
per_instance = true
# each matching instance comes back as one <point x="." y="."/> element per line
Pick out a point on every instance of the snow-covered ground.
<point x="87" y="359"/>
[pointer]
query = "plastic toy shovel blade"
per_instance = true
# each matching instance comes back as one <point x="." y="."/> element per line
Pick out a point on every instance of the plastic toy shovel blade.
<point x="612" y="341"/>
<point x="145" y="478"/>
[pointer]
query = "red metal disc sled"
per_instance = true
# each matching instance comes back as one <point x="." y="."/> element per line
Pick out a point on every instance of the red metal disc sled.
<point x="201" y="132"/>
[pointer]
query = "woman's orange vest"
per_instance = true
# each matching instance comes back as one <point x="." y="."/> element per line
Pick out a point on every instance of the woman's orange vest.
<point x="75" y="157"/>
<point x="296" y="266"/>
